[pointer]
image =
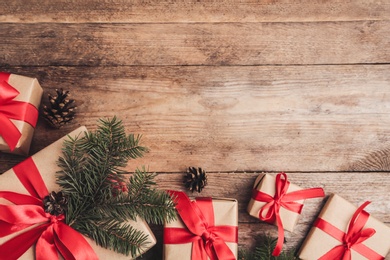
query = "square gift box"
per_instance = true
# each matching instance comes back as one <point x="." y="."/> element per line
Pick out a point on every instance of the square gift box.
<point x="266" y="184"/>
<point x="180" y="243"/>
<point x="338" y="213"/>
<point x="20" y="98"/>
<point x="46" y="163"/>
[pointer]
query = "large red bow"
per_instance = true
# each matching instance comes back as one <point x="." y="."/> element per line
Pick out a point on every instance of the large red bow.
<point x="285" y="200"/>
<point x="11" y="109"/>
<point x="49" y="232"/>
<point x="352" y="239"/>
<point x="207" y="239"/>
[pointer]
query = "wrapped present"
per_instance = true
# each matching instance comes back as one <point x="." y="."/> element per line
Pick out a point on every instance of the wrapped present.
<point x="206" y="229"/>
<point x="343" y="231"/>
<point x="19" y="102"/>
<point x="39" y="235"/>
<point x="277" y="201"/>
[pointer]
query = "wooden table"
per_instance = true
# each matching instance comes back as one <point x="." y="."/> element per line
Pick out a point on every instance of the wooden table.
<point x="235" y="88"/>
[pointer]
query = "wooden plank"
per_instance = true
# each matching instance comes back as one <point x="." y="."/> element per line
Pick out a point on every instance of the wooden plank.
<point x="356" y="187"/>
<point x="327" y="125"/>
<point x="45" y="44"/>
<point x="157" y="11"/>
<point x="271" y="118"/>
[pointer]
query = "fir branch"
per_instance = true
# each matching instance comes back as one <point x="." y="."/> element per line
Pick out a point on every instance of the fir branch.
<point x="150" y="204"/>
<point x="264" y="251"/>
<point x="114" y="235"/>
<point x="100" y="199"/>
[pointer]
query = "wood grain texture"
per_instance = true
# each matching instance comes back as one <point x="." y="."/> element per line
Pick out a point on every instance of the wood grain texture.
<point x="239" y="185"/>
<point x="271" y="118"/>
<point x="157" y="11"/>
<point x="235" y="87"/>
<point x="45" y="44"/>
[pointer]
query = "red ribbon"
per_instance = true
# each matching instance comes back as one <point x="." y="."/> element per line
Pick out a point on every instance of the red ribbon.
<point x="352" y="239"/>
<point x="11" y="109"/>
<point x="207" y="239"/>
<point x="285" y="200"/>
<point x="50" y="235"/>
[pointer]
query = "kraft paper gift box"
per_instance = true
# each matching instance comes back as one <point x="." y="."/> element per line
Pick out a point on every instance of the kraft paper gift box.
<point x="225" y="213"/>
<point x="46" y="163"/>
<point x="338" y="212"/>
<point x="266" y="183"/>
<point x="20" y="98"/>
<point x="276" y="201"/>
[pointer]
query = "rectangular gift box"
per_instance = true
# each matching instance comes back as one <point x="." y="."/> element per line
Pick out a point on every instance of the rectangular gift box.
<point x="338" y="212"/>
<point x="266" y="183"/>
<point x="225" y="213"/>
<point x="46" y="162"/>
<point x="31" y="92"/>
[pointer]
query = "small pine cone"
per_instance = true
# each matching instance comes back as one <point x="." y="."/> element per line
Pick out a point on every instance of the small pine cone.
<point x="195" y="179"/>
<point x="55" y="203"/>
<point x="61" y="109"/>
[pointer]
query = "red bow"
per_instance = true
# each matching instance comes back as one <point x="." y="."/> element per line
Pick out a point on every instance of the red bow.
<point x="207" y="239"/>
<point x="285" y="200"/>
<point x="352" y="239"/>
<point x="50" y="233"/>
<point x="11" y="109"/>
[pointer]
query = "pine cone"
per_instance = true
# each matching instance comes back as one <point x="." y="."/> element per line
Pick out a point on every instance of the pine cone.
<point x="61" y="110"/>
<point x="195" y="179"/>
<point x="55" y="203"/>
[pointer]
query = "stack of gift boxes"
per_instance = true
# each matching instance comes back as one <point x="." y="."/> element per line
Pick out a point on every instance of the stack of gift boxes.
<point x="206" y="228"/>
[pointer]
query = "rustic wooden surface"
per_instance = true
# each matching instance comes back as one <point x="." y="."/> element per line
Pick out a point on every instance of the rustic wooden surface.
<point x="236" y="88"/>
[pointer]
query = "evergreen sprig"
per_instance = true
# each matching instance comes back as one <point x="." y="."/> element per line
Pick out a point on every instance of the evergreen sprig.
<point x="100" y="198"/>
<point x="264" y="251"/>
<point x="140" y="200"/>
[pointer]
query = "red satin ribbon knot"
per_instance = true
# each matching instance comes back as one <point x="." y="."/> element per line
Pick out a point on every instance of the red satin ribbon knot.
<point x="11" y="109"/>
<point x="49" y="232"/>
<point x="207" y="239"/>
<point x="352" y="239"/>
<point x="285" y="200"/>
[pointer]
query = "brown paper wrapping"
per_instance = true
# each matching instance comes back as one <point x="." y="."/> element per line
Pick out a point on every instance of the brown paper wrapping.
<point x="338" y="212"/>
<point x="266" y="183"/>
<point x="31" y="92"/>
<point x="225" y="213"/>
<point x="46" y="162"/>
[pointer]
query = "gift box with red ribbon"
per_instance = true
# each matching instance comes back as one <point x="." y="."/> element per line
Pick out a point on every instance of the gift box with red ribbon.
<point x="277" y="201"/>
<point x="343" y="231"/>
<point x="207" y="228"/>
<point x="26" y="230"/>
<point x="19" y="102"/>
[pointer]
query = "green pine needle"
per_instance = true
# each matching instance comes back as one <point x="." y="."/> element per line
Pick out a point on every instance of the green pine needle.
<point x="115" y="235"/>
<point x="141" y="199"/>
<point x="100" y="198"/>
<point x="264" y="251"/>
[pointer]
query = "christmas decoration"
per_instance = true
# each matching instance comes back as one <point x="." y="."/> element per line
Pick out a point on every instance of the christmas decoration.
<point x="276" y="201"/>
<point x="343" y="231"/>
<point x="99" y="218"/>
<point x="19" y="101"/>
<point x="55" y="203"/>
<point x="195" y="179"/>
<point x="207" y="228"/>
<point x="61" y="109"/>
<point x="264" y="251"/>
